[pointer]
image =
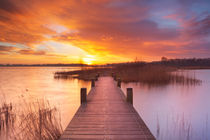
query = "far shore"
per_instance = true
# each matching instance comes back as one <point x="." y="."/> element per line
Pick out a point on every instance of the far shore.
<point x="186" y="63"/>
<point x="184" y="68"/>
<point x="153" y="74"/>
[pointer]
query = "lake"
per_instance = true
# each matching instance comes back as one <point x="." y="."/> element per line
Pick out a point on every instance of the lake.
<point x="175" y="112"/>
<point x="38" y="83"/>
<point x="170" y="112"/>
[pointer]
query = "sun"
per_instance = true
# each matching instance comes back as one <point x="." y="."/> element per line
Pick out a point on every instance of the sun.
<point x="89" y="60"/>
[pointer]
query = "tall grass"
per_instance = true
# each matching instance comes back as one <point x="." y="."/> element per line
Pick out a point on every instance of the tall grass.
<point x="34" y="121"/>
<point x="86" y="74"/>
<point x="149" y="74"/>
<point x="180" y="127"/>
<point x="177" y="128"/>
<point x="7" y="119"/>
<point x="154" y="75"/>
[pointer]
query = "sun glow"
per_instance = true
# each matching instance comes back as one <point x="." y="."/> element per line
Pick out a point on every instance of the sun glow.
<point x="89" y="59"/>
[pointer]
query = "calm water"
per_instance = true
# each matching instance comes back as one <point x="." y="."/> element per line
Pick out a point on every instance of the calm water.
<point x="171" y="112"/>
<point x="39" y="83"/>
<point x="175" y="112"/>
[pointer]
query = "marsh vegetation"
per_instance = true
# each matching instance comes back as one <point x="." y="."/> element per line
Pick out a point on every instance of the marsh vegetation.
<point x="34" y="121"/>
<point x="151" y="74"/>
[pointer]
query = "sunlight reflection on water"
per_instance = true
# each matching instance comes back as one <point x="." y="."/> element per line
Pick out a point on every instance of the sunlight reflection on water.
<point x="171" y="112"/>
<point x="39" y="83"/>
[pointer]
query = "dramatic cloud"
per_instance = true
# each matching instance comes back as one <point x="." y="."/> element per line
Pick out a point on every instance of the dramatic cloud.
<point x="200" y="27"/>
<point x="4" y="50"/>
<point x="108" y="30"/>
<point x="8" y="6"/>
<point x="31" y="52"/>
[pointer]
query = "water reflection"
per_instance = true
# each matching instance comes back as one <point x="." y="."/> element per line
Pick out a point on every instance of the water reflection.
<point x="39" y="83"/>
<point x="175" y="111"/>
<point x="171" y="112"/>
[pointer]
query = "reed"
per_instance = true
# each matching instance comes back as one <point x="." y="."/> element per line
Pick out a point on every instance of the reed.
<point x="177" y="128"/>
<point x="149" y="74"/>
<point x="7" y="119"/>
<point x="180" y="127"/>
<point x="35" y="121"/>
<point x="154" y="75"/>
<point x="86" y="74"/>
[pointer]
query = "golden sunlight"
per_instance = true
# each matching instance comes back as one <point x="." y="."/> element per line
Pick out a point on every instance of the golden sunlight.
<point x="89" y="59"/>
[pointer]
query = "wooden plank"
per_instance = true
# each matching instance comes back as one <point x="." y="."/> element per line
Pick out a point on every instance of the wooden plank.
<point x="106" y="115"/>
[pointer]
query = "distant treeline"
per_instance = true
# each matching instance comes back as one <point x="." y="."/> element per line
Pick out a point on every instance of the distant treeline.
<point x="180" y="63"/>
<point x="192" y="62"/>
<point x="43" y="65"/>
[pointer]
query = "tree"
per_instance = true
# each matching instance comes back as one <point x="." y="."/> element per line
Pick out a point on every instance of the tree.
<point x="164" y="58"/>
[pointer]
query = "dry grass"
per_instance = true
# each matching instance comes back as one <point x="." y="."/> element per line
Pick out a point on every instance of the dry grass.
<point x="146" y="74"/>
<point x="86" y="74"/>
<point x="7" y="119"/>
<point x="177" y="128"/>
<point x="154" y="75"/>
<point x="35" y="121"/>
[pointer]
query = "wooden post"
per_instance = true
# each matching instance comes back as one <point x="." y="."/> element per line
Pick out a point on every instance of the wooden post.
<point x="83" y="95"/>
<point x="119" y="83"/>
<point x="112" y="74"/>
<point x="92" y="83"/>
<point x="130" y="95"/>
<point x="97" y="75"/>
<point x="115" y="77"/>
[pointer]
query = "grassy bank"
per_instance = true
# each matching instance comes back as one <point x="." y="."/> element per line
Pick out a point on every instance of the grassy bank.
<point x="150" y="74"/>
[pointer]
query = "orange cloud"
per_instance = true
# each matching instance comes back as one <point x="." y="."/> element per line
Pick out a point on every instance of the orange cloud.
<point x="109" y="30"/>
<point x="31" y="52"/>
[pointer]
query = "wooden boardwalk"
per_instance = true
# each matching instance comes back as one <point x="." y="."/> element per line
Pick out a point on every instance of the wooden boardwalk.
<point x="106" y="116"/>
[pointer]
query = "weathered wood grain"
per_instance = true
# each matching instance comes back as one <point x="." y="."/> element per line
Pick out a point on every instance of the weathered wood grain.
<point x="106" y="116"/>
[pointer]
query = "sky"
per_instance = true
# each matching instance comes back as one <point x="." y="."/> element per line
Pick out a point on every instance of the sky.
<point x="102" y="31"/>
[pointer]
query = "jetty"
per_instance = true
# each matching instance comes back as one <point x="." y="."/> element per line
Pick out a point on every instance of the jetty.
<point x="106" y="114"/>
